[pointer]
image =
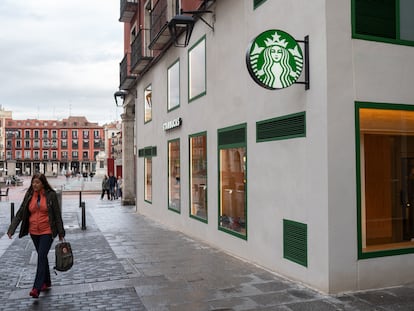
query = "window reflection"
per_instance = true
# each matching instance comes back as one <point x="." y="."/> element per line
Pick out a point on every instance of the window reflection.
<point x="174" y="178"/>
<point x="198" y="175"/>
<point x="232" y="189"/>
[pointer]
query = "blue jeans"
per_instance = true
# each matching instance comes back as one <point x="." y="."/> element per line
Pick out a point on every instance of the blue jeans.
<point x="42" y="244"/>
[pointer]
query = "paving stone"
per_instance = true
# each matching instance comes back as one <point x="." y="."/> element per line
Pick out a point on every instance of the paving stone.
<point x="126" y="261"/>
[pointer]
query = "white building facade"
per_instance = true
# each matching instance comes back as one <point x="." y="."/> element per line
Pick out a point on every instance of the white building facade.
<point x="311" y="183"/>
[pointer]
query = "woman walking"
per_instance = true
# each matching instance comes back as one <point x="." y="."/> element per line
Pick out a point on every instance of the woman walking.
<point x="40" y="215"/>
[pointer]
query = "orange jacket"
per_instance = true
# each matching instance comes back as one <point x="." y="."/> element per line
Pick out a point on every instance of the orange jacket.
<point x="39" y="218"/>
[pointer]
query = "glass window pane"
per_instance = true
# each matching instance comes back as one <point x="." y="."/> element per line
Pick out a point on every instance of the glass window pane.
<point x="174" y="178"/>
<point x="198" y="175"/>
<point x="232" y="189"/>
<point x="407" y="20"/>
<point x="197" y="70"/>
<point x="375" y="18"/>
<point x="174" y="86"/>
<point x="148" y="104"/>
<point x="148" y="179"/>
<point x="387" y="178"/>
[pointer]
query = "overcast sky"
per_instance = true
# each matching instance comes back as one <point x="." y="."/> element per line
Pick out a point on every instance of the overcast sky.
<point x="60" y="58"/>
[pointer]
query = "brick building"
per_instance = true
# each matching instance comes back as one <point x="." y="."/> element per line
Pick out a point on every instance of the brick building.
<point x="52" y="147"/>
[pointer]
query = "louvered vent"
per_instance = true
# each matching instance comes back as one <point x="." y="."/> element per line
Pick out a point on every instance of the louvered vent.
<point x="295" y="242"/>
<point x="232" y="136"/>
<point x="285" y="127"/>
<point x="147" y="152"/>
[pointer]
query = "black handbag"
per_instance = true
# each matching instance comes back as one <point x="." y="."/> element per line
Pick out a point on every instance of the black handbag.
<point x="63" y="256"/>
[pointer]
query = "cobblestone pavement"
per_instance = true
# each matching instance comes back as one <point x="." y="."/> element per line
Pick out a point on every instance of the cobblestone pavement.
<point x="125" y="261"/>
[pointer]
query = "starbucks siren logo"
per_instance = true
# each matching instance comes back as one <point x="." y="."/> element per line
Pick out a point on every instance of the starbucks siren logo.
<point x="274" y="59"/>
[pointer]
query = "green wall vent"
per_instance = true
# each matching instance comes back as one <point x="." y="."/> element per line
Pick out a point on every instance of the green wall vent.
<point x="290" y="126"/>
<point x="295" y="242"/>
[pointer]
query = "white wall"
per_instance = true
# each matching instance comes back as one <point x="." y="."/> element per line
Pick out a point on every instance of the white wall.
<point x="310" y="180"/>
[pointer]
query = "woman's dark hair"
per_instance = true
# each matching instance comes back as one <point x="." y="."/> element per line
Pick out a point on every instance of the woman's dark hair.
<point x="43" y="180"/>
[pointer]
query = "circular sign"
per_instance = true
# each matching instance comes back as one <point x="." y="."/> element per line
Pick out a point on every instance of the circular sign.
<point x="274" y="59"/>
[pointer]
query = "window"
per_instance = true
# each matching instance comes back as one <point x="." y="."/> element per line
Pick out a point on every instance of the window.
<point x="36" y="155"/>
<point x="64" y="134"/>
<point x="385" y="166"/>
<point x="96" y="134"/>
<point x="27" y="134"/>
<point x="85" y="134"/>
<point x="74" y="144"/>
<point x="36" y="134"/>
<point x="148" y="104"/>
<point x="54" y="134"/>
<point x="198" y="176"/>
<point x="197" y="70"/>
<point x="54" y="155"/>
<point x="64" y="155"/>
<point x="232" y="180"/>
<point x="74" y="134"/>
<point x="27" y="144"/>
<point x="64" y="144"/>
<point x="74" y="154"/>
<point x="36" y="144"/>
<point x="45" y="134"/>
<point x="27" y="155"/>
<point x="45" y="155"/>
<point x="174" y="177"/>
<point x="148" y="153"/>
<point x="148" y="179"/>
<point x="173" y="77"/>
<point x="386" y="20"/>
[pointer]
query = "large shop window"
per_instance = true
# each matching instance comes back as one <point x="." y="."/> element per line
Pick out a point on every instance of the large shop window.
<point x="148" y="104"/>
<point x="198" y="176"/>
<point x="386" y="20"/>
<point x="197" y="70"/>
<point x="232" y="180"/>
<point x="174" y="177"/>
<point x="385" y="165"/>
<point x="173" y="77"/>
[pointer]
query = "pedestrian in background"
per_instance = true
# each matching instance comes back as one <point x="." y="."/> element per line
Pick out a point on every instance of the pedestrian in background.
<point x="119" y="182"/>
<point x="105" y="187"/>
<point x="40" y="215"/>
<point x="112" y="186"/>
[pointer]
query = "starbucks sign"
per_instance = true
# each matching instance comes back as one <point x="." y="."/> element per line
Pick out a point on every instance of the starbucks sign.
<point x="274" y="59"/>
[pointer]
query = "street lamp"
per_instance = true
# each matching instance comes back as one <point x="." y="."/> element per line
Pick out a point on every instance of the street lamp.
<point x="121" y="94"/>
<point x="180" y="24"/>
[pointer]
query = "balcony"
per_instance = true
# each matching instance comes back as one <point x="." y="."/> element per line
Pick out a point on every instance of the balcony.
<point x="141" y="55"/>
<point x="126" y="79"/>
<point x="128" y="9"/>
<point x="160" y="34"/>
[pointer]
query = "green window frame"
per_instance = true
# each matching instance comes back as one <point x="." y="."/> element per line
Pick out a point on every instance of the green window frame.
<point x="174" y="175"/>
<point x="232" y="180"/>
<point x="197" y="70"/>
<point x="198" y="176"/>
<point x="388" y="21"/>
<point x="385" y="179"/>
<point x="173" y="86"/>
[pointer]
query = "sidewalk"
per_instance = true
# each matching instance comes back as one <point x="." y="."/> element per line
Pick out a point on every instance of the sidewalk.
<point x="125" y="261"/>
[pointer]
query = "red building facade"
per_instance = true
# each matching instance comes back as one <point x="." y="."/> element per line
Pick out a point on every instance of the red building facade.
<point x="52" y="147"/>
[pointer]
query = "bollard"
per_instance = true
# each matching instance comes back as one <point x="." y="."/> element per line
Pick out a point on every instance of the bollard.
<point x="80" y="198"/>
<point x="83" y="216"/>
<point x="11" y="211"/>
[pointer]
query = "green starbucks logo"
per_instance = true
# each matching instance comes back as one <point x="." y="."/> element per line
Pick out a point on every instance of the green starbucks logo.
<point x="274" y="59"/>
